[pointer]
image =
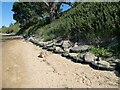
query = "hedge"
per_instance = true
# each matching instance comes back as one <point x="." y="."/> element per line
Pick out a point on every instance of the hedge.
<point x="93" y="21"/>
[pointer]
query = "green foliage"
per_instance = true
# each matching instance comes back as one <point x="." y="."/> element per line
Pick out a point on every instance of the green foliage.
<point x="27" y="12"/>
<point x="3" y="29"/>
<point x="116" y="50"/>
<point x="13" y="28"/>
<point x="49" y="37"/>
<point x="94" y="22"/>
<point x="101" y="51"/>
<point x="31" y="13"/>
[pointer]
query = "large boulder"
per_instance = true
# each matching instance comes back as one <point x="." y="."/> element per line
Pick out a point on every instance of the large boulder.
<point x="80" y="48"/>
<point x="66" y="44"/>
<point x="89" y="57"/>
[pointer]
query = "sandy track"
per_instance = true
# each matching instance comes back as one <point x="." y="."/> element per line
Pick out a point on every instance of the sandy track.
<point x="22" y="69"/>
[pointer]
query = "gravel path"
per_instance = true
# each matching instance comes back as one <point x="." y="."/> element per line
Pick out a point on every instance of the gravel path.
<point x="22" y="68"/>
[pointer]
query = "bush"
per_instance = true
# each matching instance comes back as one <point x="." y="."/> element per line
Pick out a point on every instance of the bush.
<point x="116" y="50"/>
<point x="13" y="28"/>
<point x="95" y="22"/>
<point x="101" y="51"/>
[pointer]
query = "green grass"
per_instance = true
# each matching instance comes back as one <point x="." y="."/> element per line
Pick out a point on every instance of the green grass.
<point x="95" y="22"/>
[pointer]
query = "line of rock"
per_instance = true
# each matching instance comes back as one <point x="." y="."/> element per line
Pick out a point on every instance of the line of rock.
<point x="78" y="53"/>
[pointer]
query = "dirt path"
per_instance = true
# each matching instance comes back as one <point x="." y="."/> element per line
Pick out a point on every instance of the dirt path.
<point x="23" y="68"/>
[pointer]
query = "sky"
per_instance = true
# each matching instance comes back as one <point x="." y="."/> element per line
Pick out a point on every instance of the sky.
<point x="7" y="14"/>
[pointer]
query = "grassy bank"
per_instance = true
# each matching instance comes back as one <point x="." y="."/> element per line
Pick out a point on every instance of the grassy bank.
<point x="13" y="28"/>
<point x="94" y="22"/>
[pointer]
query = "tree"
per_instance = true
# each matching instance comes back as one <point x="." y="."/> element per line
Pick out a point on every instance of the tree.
<point x="27" y="12"/>
<point x="53" y="8"/>
<point x="30" y="13"/>
<point x="23" y="11"/>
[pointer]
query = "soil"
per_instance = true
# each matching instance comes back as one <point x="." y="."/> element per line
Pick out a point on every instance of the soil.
<point x="22" y="68"/>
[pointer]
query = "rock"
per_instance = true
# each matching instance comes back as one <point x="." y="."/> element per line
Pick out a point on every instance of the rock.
<point x="54" y="40"/>
<point x="113" y="64"/>
<point x="34" y="42"/>
<point x="110" y="59"/>
<point x="79" y="60"/>
<point x="58" y="50"/>
<point x="45" y="46"/>
<point x="65" y="54"/>
<point x="50" y="48"/>
<point x="66" y="44"/>
<point x="104" y="63"/>
<point x="80" y="48"/>
<point x="75" y="45"/>
<point x="30" y="38"/>
<point x="43" y="54"/>
<point x="25" y="36"/>
<point x="50" y="44"/>
<point x="81" y="55"/>
<point x="75" y="58"/>
<point x="116" y="61"/>
<point x="41" y="44"/>
<point x="98" y="59"/>
<point x="109" y="54"/>
<point x="72" y="55"/>
<point x="67" y="50"/>
<point x="89" y="57"/>
<point x="59" y="43"/>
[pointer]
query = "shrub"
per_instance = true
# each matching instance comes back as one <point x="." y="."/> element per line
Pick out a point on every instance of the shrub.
<point x="95" y="22"/>
<point x="101" y="51"/>
<point x="13" y="28"/>
<point x="116" y="50"/>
